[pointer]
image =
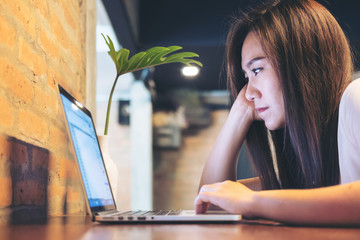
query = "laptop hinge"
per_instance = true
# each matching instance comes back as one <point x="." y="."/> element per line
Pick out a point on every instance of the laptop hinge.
<point x="105" y="212"/>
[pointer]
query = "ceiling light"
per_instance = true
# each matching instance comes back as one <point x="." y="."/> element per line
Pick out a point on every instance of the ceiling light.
<point x="190" y="71"/>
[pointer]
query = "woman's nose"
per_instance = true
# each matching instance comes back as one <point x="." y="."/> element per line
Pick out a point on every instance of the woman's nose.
<point x="252" y="92"/>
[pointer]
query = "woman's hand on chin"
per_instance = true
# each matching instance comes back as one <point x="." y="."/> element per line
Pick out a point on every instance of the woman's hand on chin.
<point x="241" y="102"/>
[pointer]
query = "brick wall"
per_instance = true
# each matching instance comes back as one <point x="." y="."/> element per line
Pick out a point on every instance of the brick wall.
<point x="41" y="45"/>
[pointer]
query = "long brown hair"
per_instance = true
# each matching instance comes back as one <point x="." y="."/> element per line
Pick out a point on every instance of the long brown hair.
<point x="311" y="54"/>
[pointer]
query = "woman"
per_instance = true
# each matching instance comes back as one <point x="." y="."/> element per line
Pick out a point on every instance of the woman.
<point x="289" y="66"/>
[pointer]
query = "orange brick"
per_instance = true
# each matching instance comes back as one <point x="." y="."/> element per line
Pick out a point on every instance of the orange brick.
<point x="53" y="170"/>
<point x="29" y="192"/>
<point x="6" y="192"/>
<point x="56" y="196"/>
<point x="4" y="148"/>
<point x="7" y="33"/>
<point x="4" y="157"/>
<point x="32" y="126"/>
<point x="56" y="190"/>
<point x="72" y="170"/>
<point x="76" y="54"/>
<point x="27" y="55"/>
<point x="48" y="45"/>
<point x="62" y="168"/>
<point x="69" y="18"/>
<point x="75" y="28"/>
<point x="47" y="102"/>
<point x="58" y="31"/>
<point x="72" y="196"/>
<point x="6" y="113"/>
<point x="52" y="163"/>
<point x="41" y="5"/>
<point x="15" y="81"/>
<point x="78" y="96"/>
<point x="75" y="6"/>
<point x="76" y="207"/>
<point x="80" y="38"/>
<point x="54" y="78"/>
<point x="21" y="12"/>
<point x="70" y="79"/>
<point x="57" y="138"/>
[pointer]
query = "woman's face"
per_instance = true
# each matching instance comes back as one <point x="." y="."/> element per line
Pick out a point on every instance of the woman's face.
<point x="263" y="88"/>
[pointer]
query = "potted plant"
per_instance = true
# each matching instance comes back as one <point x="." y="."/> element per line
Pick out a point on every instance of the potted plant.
<point x="149" y="58"/>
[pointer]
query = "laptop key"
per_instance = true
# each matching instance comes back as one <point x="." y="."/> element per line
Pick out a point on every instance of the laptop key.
<point x="174" y="212"/>
<point x="162" y="212"/>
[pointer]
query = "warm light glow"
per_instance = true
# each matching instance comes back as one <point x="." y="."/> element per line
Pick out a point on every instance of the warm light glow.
<point x="190" y="71"/>
<point x="74" y="107"/>
<point x="79" y="104"/>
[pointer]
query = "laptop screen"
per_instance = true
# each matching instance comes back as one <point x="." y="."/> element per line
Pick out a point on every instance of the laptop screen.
<point x="88" y="154"/>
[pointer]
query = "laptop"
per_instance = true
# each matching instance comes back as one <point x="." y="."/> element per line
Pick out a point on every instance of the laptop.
<point x="100" y="201"/>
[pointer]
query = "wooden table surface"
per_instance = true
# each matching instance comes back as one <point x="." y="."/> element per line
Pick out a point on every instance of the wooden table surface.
<point x="75" y="228"/>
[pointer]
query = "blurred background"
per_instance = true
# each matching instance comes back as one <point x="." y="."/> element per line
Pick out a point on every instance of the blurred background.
<point x="162" y="150"/>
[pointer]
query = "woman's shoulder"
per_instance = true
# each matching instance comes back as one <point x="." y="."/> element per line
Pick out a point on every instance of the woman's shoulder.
<point x="348" y="137"/>
<point x="349" y="111"/>
<point x="353" y="88"/>
<point x="351" y="95"/>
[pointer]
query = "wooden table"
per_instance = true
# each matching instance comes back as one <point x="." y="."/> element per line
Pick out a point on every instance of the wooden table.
<point x="74" y="228"/>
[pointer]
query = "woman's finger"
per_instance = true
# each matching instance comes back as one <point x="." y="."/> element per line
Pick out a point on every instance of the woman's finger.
<point x="200" y="205"/>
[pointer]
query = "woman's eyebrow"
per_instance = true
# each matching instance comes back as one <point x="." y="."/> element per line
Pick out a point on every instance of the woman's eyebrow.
<point x="248" y="65"/>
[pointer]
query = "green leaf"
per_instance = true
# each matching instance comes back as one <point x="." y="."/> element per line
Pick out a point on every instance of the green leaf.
<point x="151" y="57"/>
<point x="113" y="54"/>
<point x="166" y="50"/>
<point x="134" y="61"/>
<point x="122" y="60"/>
<point x="179" y="57"/>
<point x="189" y="62"/>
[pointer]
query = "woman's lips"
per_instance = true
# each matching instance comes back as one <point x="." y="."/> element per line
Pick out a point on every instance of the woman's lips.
<point x="261" y="109"/>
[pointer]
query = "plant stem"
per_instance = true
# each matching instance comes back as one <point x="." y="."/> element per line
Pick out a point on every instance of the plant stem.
<point x="109" y="105"/>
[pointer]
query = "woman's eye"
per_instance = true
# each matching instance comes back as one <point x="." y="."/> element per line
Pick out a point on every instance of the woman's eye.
<point x="256" y="70"/>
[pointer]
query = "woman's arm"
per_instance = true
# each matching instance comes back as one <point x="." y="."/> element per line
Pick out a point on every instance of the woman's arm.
<point x="252" y="183"/>
<point x="335" y="205"/>
<point x="221" y="164"/>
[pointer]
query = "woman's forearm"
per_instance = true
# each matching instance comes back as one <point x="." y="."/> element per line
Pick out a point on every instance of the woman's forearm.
<point x="221" y="164"/>
<point x="336" y="205"/>
<point x="251" y="183"/>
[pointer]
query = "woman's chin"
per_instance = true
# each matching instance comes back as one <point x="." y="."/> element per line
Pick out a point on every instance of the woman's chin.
<point x="272" y="126"/>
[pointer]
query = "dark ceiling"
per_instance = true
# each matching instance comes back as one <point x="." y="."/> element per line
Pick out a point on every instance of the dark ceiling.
<point x="201" y="26"/>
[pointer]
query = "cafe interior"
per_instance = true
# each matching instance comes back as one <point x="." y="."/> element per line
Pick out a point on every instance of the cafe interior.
<point x="163" y="122"/>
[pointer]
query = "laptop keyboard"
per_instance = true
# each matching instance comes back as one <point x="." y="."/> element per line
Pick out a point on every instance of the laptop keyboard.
<point x="162" y="212"/>
<point x="148" y="213"/>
